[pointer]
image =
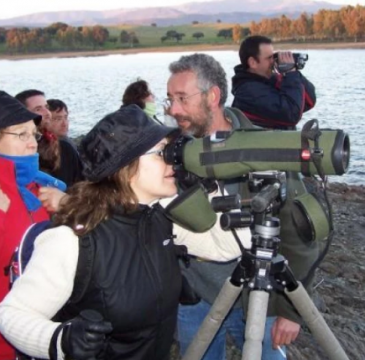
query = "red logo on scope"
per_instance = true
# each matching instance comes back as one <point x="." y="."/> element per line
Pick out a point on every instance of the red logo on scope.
<point x="306" y="155"/>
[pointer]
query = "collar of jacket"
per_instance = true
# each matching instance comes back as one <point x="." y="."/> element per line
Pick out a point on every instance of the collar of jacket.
<point x="242" y="76"/>
<point x="135" y="216"/>
<point x="7" y="171"/>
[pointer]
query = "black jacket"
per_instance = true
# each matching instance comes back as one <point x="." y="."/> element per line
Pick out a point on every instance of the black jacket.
<point x="278" y="102"/>
<point x="70" y="170"/>
<point x="135" y="284"/>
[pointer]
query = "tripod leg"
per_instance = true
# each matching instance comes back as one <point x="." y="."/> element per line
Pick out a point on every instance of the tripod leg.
<point x="255" y="325"/>
<point x="312" y="317"/>
<point x="212" y="322"/>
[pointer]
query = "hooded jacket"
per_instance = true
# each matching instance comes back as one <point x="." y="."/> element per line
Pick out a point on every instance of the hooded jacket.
<point x="13" y="224"/>
<point x="278" y="102"/>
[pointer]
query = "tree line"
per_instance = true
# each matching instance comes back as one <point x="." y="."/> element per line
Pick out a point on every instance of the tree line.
<point x="58" y="35"/>
<point x="346" y="23"/>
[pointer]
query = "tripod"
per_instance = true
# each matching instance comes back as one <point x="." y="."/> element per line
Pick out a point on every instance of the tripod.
<point x="261" y="270"/>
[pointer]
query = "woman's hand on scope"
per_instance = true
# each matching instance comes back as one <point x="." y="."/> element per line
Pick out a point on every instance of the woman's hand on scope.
<point x="4" y="202"/>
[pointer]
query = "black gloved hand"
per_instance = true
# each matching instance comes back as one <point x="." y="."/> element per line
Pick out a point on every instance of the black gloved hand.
<point x="185" y="179"/>
<point x="83" y="337"/>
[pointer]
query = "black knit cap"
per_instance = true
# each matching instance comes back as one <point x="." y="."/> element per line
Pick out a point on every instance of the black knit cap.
<point x="118" y="139"/>
<point x="13" y="112"/>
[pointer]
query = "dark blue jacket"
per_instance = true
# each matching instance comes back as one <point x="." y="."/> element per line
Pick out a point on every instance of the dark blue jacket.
<point x="278" y="102"/>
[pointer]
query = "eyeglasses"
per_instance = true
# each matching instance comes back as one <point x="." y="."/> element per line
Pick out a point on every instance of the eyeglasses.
<point x="25" y="136"/>
<point x="157" y="152"/>
<point x="59" y="118"/>
<point x="182" y="100"/>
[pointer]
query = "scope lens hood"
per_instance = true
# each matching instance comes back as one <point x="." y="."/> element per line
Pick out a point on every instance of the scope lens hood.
<point x="310" y="218"/>
<point x="341" y="153"/>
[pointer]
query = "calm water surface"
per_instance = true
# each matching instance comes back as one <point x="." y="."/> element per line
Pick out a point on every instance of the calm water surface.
<point x="93" y="87"/>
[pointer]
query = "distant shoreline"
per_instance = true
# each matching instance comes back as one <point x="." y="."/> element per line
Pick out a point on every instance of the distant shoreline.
<point x="182" y="48"/>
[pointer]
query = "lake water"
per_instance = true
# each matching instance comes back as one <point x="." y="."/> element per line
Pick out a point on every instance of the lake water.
<point x="93" y="87"/>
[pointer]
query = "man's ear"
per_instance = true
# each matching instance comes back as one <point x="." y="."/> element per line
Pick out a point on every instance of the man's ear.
<point x="214" y="96"/>
<point x="252" y="63"/>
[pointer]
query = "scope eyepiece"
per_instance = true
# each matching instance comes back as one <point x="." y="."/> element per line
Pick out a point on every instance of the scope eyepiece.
<point x="173" y="151"/>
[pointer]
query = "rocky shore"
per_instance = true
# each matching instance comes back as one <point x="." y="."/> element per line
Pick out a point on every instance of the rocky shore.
<point x="340" y="294"/>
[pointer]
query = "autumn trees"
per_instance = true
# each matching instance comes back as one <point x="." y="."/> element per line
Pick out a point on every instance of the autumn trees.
<point x="55" y="36"/>
<point x="237" y="33"/>
<point x="353" y="19"/>
<point x="346" y="23"/>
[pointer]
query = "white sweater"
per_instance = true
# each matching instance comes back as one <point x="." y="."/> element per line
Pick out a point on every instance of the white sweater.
<point x="47" y="282"/>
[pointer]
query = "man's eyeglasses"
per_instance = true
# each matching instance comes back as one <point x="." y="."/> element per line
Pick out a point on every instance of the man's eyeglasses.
<point x="182" y="100"/>
<point x="24" y="136"/>
<point x="59" y="118"/>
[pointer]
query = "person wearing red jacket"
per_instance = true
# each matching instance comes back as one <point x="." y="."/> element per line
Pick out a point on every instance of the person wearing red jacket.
<point x="20" y="184"/>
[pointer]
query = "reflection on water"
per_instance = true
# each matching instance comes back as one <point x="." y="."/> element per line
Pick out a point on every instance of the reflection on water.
<point x="93" y="87"/>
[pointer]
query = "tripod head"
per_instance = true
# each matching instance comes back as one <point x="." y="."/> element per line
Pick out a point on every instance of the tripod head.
<point x="255" y="268"/>
<point x="269" y="188"/>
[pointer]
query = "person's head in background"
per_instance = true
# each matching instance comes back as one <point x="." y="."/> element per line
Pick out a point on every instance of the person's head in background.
<point x="35" y="101"/>
<point x="257" y="55"/>
<point x="139" y="93"/>
<point x="48" y="146"/>
<point x="196" y="94"/>
<point x="59" y="123"/>
<point x="18" y="132"/>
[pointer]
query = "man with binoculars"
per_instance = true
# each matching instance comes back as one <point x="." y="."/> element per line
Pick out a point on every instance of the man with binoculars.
<point x="197" y="92"/>
<point x="268" y="87"/>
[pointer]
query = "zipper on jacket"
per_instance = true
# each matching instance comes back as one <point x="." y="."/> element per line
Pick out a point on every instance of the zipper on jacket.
<point x="146" y="218"/>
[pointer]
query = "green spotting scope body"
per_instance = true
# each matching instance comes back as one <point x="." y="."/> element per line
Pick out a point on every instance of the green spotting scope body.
<point x="228" y="155"/>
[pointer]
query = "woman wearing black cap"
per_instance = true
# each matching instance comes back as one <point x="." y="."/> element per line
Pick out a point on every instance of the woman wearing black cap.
<point x="20" y="182"/>
<point x="129" y="275"/>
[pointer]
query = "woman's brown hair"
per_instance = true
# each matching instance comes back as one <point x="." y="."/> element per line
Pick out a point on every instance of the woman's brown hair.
<point x="49" y="152"/>
<point x="89" y="203"/>
<point x="136" y="93"/>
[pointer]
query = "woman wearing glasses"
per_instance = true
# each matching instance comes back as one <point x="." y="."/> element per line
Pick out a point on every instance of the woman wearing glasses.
<point x="20" y="183"/>
<point x="135" y="280"/>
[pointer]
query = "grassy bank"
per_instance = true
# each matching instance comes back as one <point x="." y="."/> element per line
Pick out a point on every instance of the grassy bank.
<point x="181" y="48"/>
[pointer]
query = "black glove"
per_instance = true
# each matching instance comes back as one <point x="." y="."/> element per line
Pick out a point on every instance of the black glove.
<point x="83" y="337"/>
<point x="185" y="179"/>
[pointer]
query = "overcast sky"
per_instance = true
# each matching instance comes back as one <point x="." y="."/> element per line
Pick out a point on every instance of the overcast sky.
<point x="14" y="8"/>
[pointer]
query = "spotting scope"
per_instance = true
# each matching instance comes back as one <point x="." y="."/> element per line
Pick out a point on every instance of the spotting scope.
<point x="226" y="155"/>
